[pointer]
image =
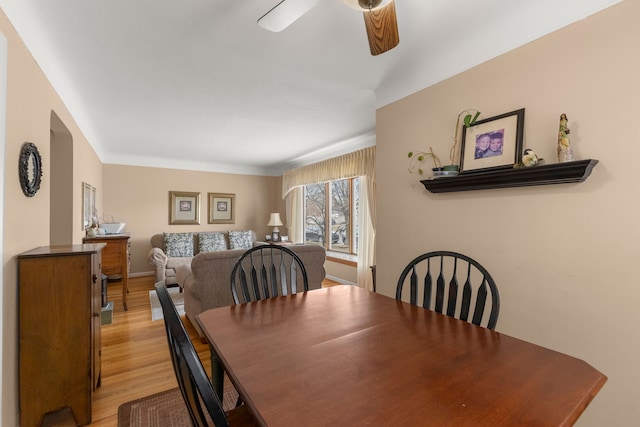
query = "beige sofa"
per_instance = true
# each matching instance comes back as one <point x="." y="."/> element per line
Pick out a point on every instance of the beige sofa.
<point x="209" y="283"/>
<point x="166" y="267"/>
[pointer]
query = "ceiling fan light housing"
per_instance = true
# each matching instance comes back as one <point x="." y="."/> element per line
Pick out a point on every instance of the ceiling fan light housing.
<point x="285" y="13"/>
<point x="366" y="5"/>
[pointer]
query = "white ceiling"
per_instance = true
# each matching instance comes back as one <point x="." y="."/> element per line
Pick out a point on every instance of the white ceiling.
<point x="197" y="84"/>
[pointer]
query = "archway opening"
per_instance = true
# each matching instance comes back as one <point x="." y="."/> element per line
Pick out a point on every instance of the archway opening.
<point x="61" y="175"/>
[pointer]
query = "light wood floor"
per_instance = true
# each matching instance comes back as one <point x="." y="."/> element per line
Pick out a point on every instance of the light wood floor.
<point x="135" y="355"/>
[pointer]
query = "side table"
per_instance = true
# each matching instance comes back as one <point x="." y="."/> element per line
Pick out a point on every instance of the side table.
<point x="115" y="260"/>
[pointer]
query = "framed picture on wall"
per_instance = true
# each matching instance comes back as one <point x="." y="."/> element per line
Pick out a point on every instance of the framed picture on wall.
<point x="184" y="208"/>
<point x="493" y="143"/>
<point x="222" y="208"/>
<point x="88" y="205"/>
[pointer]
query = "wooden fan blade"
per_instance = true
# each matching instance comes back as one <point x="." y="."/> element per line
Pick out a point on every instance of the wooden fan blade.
<point x="382" y="28"/>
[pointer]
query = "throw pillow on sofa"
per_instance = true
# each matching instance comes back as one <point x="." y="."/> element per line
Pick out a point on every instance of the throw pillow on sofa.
<point x="211" y="242"/>
<point x="241" y="239"/>
<point x="178" y="244"/>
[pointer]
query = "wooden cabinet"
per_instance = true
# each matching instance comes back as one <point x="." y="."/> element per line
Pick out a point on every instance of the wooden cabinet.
<point x="115" y="259"/>
<point x="59" y="315"/>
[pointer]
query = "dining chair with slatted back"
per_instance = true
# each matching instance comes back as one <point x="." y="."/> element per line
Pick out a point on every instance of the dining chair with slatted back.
<point x="197" y="391"/>
<point x="267" y="271"/>
<point x="450" y="270"/>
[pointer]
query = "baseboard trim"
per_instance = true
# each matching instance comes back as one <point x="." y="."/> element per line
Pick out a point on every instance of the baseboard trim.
<point x="341" y="281"/>
<point x="142" y="274"/>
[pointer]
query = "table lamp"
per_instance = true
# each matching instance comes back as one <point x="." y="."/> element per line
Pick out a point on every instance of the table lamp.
<point x="275" y="222"/>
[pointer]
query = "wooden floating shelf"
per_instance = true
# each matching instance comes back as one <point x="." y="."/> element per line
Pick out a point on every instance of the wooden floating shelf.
<point x="557" y="173"/>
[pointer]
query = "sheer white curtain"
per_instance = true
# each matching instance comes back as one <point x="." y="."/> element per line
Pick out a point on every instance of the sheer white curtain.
<point x="366" y="244"/>
<point x="295" y="209"/>
<point x="361" y="163"/>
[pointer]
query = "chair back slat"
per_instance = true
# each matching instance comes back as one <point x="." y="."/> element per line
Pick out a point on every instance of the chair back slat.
<point x="294" y="279"/>
<point x="440" y="289"/>
<point x="453" y="290"/>
<point x="428" y="284"/>
<point x="477" y="301"/>
<point x="481" y="301"/>
<point x="254" y="279"/>
<point x="466" y="296"/>
<point x="265" y="282"/>
<point x="413" y="295"/>
<point x="273" y="274"/>
<point x="244" y="287"/>
<point x="283" y="279"/>
<point x="195" y="387"/>
<point x="281" y="270"/>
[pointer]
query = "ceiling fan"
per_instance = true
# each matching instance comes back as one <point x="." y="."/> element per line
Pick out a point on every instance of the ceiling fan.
<point x="379" y="19"/>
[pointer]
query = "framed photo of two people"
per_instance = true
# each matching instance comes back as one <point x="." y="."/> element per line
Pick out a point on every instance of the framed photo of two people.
<point x="493" y="143"/>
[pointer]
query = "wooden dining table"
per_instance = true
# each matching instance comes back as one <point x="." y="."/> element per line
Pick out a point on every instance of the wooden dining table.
<point x="344" y="356"/>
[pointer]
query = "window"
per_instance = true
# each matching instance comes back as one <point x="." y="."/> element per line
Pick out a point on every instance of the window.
<point x="331" y="212"/>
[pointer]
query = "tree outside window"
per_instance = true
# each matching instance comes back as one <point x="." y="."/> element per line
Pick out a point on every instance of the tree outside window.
<point x="315" y="217"/>
<point x="331" y="215"/>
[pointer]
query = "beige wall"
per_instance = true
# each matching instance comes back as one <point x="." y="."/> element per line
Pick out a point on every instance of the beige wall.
<point x="30" y="101"/>
<point x="139" y="196"/>
<point x="564" y="256"/>
<point x="341" y="272"/>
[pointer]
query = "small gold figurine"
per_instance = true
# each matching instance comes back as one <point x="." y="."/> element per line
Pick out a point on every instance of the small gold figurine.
<point x="565" y="154"/>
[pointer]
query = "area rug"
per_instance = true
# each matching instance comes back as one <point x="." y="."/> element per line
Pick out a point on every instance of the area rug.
<point x="156" y="309"/>
<point x="165" y="409"/>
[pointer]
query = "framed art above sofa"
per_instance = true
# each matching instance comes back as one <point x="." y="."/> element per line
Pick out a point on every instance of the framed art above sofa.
<point x="184" y="208"/>
<point x="222" y="208"/>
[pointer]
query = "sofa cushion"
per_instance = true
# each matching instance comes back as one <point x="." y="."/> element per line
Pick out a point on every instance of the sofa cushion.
<point x="241" y="239"/>
<point x="174" y="262"/>
<point x="211" y="242"/>
<point x="178" y="244"/>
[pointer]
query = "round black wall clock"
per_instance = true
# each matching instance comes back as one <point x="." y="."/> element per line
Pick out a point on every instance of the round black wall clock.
<point x="30" y="169"/>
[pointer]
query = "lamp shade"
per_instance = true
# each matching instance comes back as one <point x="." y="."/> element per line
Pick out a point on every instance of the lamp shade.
<point x="274" y="220"/>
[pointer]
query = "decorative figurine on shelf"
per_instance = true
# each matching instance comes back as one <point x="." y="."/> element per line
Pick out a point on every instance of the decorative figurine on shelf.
<point x="92" y="231"/>
<point x="529" y="158"/>
<point x="565" y="154"/>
